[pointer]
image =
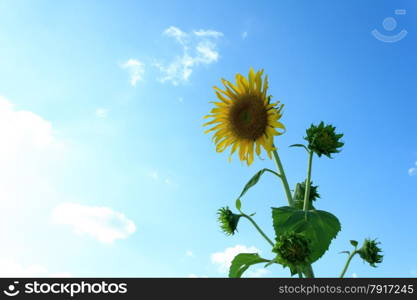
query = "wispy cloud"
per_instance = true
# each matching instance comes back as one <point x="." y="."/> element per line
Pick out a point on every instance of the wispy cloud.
<point x="208" y="33"/>
<point x="197" y="48"/>
<point x="244" y="35"/>
<point x="102" y="112"/>
<point x="11" y="268"/>
<point x="136" y="70"/>
<point x="156" y="176"/>
<point x="189" y="253"/>
<point x="413" y="170"/>
<point x="224" y="259"/>
<point x="101" y="223"/>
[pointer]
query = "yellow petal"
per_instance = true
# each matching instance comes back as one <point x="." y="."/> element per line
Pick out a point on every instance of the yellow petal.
<point x="242" y="150"/>
<point x="223" y="144"/>
<point x="227" y="84"/>
<point x="221" y="97"/>
<point x="277" y="124"/>
<point x="218" y="126"/>
<point x="265" y="86"/>
<point x="250" y="150"/>
<point x="258" y="148"/>
<point x="242" y="84"/>
<point x="251" y="79"/>
<point x="258" y="80"/>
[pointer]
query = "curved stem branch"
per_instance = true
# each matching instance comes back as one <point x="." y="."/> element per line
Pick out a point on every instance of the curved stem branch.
<point x="283" y="178"/>
<point x="259" y="229"/>
<point x="347" y="263"/>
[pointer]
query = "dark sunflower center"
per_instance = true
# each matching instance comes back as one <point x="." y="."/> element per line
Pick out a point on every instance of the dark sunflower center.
<point x="248" y="117"/>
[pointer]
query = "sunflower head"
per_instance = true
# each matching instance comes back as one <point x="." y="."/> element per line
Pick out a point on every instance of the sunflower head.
<point x="323" y="139"/>
<point x="292" y="249"/>
<point x="228" y="220"/>
<point x="300" y="192"/>
<point x="244" y="117"/>
<point x="370" y="252"/>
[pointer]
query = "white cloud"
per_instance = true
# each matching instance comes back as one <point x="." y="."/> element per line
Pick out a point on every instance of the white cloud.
<point x="30" y="157"/>
<point x="261" y="272"/>
<point x="206" y="53"/>
<point x="244" y="35"/>
<point x="21" y="130"/>
<point x="176" y="33"/>
<point x="189" y="253"/>
<point x="198" y="48"/>
<point x="136" y="70"/>
<point x="354" y="275"/>
<point x="412" y="171"/>
<point x="11" y="268"/>
<point x="102" y="112"/>
<point x="101" y="223"/>
<point x="208" y="33"/>
<point x="224" y="259"/>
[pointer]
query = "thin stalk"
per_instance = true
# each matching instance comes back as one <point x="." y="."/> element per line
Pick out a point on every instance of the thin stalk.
<point x="283" y="178"/>
<point x="347" y="263"/>
<point x="309" y="273"/>
<point x="308" y="180"/>
<point x="259" y="229"/>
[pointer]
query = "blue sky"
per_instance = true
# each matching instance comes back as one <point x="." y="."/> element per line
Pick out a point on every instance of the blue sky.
<point x="105" y="167"/>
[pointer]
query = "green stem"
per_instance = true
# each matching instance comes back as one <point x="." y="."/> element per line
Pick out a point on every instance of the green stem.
<point x="347" y="263"/>
<point x="309" y="273"/>
<point x="259" y="229"/>
<point x="283" y="178"/>
<point x="308" y="180"/>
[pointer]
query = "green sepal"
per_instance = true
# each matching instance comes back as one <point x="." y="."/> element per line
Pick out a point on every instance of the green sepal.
<point x="238" y="204"/>
<point x="354" y="243"/>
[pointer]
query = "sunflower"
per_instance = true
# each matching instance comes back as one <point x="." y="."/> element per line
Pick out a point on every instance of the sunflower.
<point x="244" y="117"/>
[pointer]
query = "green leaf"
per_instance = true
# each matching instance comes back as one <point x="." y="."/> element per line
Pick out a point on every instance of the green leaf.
<point x="238" y="204"/>
<point x="319" y="226"/>
<point x="254" y="180"/>
<point x="300" y="145"/>
<point x="347" y="252"/>
<point x="242" y="262"/>
<point x="354" y="243"/>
